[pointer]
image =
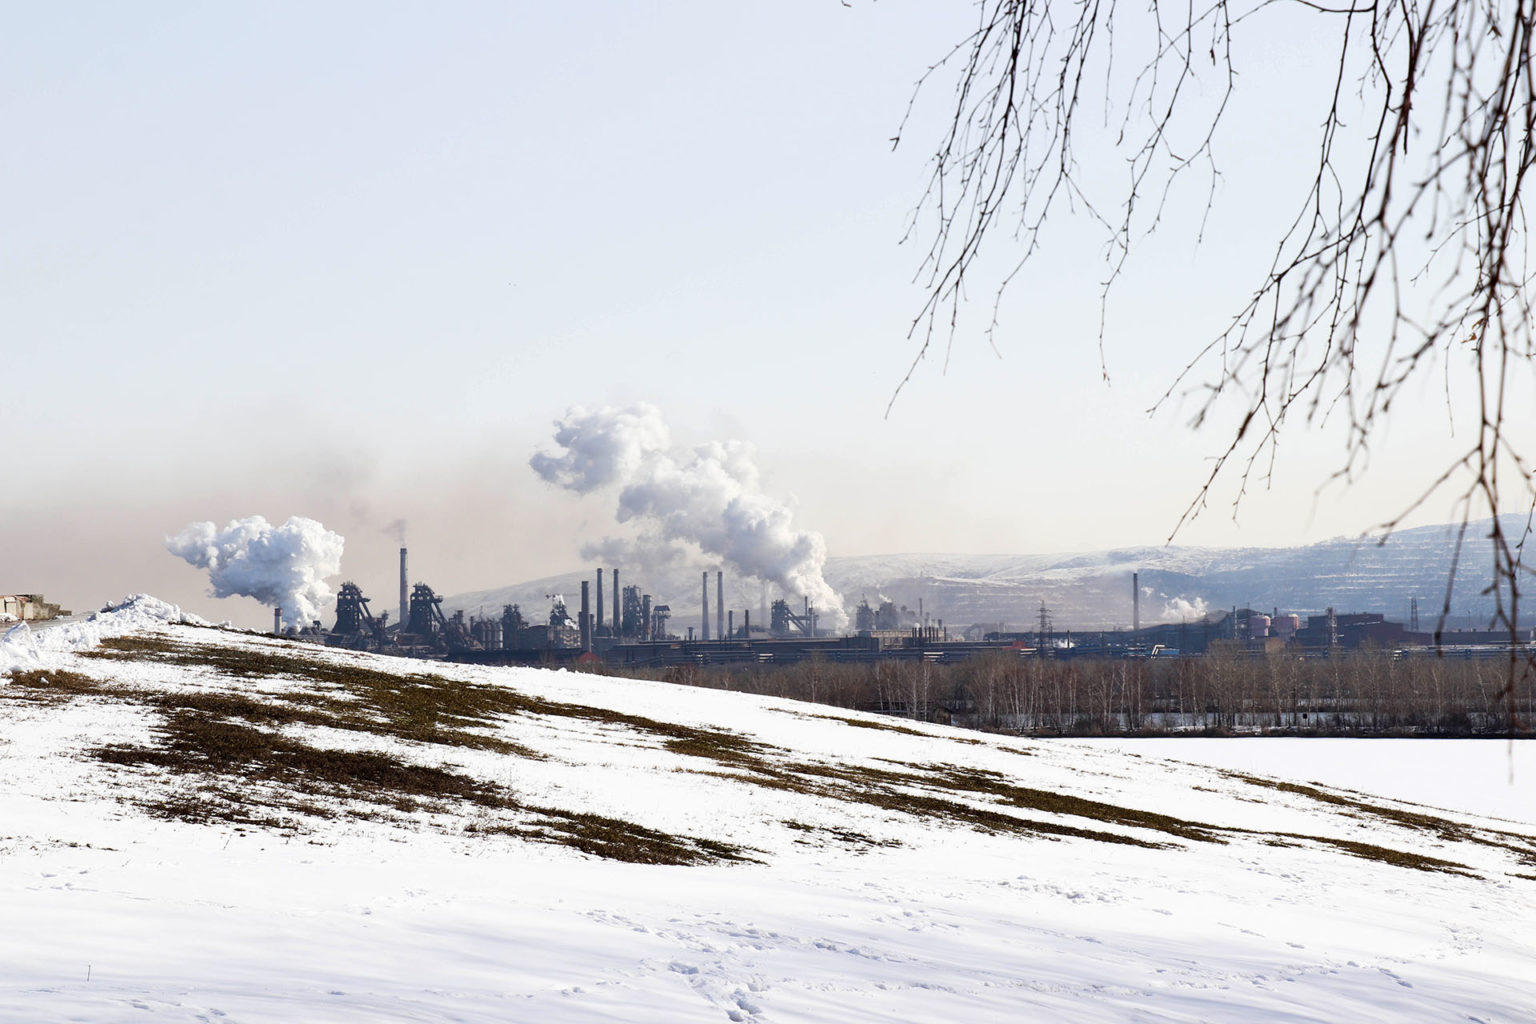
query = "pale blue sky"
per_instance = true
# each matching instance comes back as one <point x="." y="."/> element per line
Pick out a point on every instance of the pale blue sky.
<point x="350" y="260"/>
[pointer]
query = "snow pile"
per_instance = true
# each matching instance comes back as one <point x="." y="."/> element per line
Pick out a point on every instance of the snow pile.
<point x="280" y="566"/>
<point x="708" y="497"/>
<point x="22" y="647"/>
<point x="18" y="648"/>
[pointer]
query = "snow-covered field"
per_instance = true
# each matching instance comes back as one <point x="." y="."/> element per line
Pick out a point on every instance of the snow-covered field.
<point x="1493" y="777"/>
<point x="198" y="825"/>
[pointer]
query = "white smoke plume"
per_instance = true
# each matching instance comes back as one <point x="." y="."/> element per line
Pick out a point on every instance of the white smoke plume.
<point x="603" y="447"/>
<point x="280" y="566"/>
<point x="1179" y="610"/>
<point x="709" y="497"/>
<point x="647" y="552"/>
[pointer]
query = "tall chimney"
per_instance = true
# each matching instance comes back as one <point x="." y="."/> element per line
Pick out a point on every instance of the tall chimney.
<point x="277" y="621"/>
<point x="704" y="630"/>
<point x="618" y="618"/>
<point x="586" y="615"/>
<point x="730" y="625"/>
<point x="720" y="605"/>
<point x="405" y="594"/>
<point x="1136" y="601"/>
<point x="746" y="623"/>
<point x="599" y="600"/>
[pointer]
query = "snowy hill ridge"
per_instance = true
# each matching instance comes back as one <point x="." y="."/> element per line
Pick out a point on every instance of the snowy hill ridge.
<point x="202" y="824"/>
<point x="1092" y="590"/>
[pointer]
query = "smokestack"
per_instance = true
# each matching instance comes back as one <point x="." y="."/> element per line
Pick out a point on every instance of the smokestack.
<point x="618" y="618"/>
<point x="645" y="616"/>
<point x="1136" y="601"/>
<point x="746" y="623"/>
<point x="277" y="622"/>
<point x="719" y="605"/>
<point x="730" y="625"/>
<point x="405" y="596"/>
<point x="599" y="600"/>
<point x="704" y="630"/>
<point x="586" y="615"/>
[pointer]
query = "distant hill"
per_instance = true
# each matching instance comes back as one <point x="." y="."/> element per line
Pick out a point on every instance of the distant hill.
<point x="1092" y="590"/>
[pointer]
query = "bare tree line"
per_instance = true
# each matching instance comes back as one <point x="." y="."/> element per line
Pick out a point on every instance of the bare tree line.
<point x="1363" y="694"/>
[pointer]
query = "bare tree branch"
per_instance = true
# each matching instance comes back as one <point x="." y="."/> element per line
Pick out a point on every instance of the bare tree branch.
<point x="1408" y="251"/>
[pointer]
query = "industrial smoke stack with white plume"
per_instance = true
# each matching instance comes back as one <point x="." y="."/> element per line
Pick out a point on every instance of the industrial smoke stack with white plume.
<point x="280" y="566"/>
<point x="709" y="496"/>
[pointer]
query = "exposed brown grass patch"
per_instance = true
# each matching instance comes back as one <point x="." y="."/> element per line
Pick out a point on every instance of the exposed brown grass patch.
<point x="920" y="794"/>
<point x="975" y="780"/>
<point x="257" y="777"/>
<point x="616" y="839"/>
<point x="860" y="723"/>
<point x="855" y="840"/>
<point x="53" y="686"/>
<point x="418" y="708"/>
<point x="197" y="744"/>
<point x="1443" y="828"/>
<point x="1386" y="855"/>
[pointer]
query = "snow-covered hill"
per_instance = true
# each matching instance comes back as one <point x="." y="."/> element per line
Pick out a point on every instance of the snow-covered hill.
<point x="200" y="825"/>
<point x="1092" y="590"/>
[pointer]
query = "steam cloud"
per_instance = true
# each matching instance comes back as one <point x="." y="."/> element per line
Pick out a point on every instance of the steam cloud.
<point x="1179" y="610"/>
<point x="648" y="552"/>
<point x="283" y="566"/>
<point x="709" y="497"/>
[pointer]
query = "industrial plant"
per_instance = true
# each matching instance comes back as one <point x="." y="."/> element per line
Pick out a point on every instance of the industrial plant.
<point x="622" y="625"/>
